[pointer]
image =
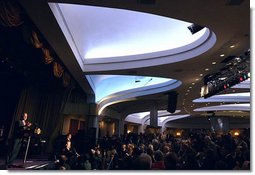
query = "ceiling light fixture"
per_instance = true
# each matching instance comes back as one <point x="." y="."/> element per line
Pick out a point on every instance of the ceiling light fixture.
<point x="194" y="28"/>
<point x="232" y="46"/>
<point x="236" y="71"/>
<point x="214" y="62"/>
<point x="206" y="69"/>
<point x="222" y="55"/>
<point x="201" y="75"/>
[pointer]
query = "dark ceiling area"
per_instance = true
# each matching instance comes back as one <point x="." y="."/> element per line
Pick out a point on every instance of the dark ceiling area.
<point x="20" y="61"/>
<point x="22" y="65"/>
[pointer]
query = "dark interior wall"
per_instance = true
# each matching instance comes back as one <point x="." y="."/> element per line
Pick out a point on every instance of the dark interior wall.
<point x="21" y="65"/>
<point x="25" y="75"/>
<point x="9" y="95"/>
<point x="11" y="78"/>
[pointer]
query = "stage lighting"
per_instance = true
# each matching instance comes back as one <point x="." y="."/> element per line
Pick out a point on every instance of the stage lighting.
<point x="236" y="71"/>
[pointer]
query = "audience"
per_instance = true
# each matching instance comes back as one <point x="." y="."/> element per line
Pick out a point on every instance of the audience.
<point x="200" y="150"/>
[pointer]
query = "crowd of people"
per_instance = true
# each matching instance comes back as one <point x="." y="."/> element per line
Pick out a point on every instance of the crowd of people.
<point x="199" y="150"/>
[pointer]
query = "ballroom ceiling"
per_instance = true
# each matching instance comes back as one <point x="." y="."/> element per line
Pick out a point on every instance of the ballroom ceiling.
<point x="228" y="19"/>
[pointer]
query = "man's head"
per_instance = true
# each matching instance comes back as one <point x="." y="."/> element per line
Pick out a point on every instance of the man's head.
<point x="69" y="136"/>
<point x="24" y="116"/>
<point x="143" y="162"/>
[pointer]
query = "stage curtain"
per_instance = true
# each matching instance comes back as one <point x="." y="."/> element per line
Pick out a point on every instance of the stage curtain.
<point x="47" y="56"/>
<point x="36" y="41"/>
<point x="45" y="109"/>
<point x="57" y="69"/>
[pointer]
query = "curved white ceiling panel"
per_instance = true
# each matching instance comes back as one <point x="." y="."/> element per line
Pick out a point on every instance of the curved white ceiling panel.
<point x="142" y="117"/>
<point x="234" y="97"/>
<point x="131" y="94"/>
<point x="227" y="107"/>
<point x="163" y="120"/>
<point x="112" y="39"/>
<point x="163" y="117"/>
<point x="104" y="85"/>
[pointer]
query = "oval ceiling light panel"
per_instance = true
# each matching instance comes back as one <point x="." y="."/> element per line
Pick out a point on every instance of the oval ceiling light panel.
<point x="227" y="107"/>
<point x="112" y="39"/>
<point x="105" y="85"/>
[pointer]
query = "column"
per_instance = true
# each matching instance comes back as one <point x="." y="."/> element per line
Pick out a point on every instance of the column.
<point x="93" y="123"/>
<point x="120" y="127"/>
<point x="154" y="115"/>
<point x="141" y="129"/>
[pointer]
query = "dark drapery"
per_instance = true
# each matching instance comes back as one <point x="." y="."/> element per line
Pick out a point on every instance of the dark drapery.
<point x="45" y="108"/>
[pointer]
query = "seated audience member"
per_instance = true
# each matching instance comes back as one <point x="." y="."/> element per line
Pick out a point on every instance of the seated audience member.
<point x="69" y="137"/>
<point x="70" y="154"/>
<point x="143" y="162"/>
<point x="95" y="159"/>
<point x="87" y="164"/>
<point x="171" y="161"/>
<point x="62" y="164"/>
<point x="159" y="161"/>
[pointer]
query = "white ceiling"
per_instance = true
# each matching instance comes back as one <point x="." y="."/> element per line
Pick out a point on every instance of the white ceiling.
<point x="101" y="32"/>
<point x="109" y="35"/>
<point x="226" y="107"/>
<point x="233" y="97"/>
<point x="105" y="85"/>
<point x="164" y="116"/>
<point x="230" y="24"/>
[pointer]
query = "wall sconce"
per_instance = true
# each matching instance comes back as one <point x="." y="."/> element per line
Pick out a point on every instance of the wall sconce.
<point x="178" y="134"/>
<point x="236" y="133"/>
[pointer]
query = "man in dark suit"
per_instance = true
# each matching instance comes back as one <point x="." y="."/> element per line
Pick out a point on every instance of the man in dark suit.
<point x="20" y="127"/>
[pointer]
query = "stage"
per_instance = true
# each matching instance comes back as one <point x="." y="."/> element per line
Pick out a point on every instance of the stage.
<point x="30" y="164"/>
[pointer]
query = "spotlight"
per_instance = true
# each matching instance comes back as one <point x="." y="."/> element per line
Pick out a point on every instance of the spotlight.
<point x="245" y="76"/>
<point x="226" y="86"/>
<point x="194" y="28"/>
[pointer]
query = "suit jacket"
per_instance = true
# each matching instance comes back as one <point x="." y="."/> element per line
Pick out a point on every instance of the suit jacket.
<point x="19" y="129"/>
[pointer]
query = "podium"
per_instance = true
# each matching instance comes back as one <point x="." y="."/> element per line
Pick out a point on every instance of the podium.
<point x="27" y="147"/>
<point x="29" y="134"/>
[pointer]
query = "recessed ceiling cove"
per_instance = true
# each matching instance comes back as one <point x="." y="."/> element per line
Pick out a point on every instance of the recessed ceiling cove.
<point x="105" y="85"/>
<point x="109" y="39"/>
